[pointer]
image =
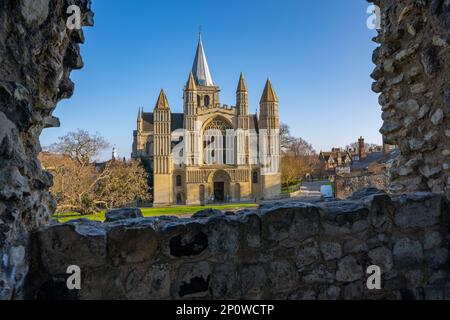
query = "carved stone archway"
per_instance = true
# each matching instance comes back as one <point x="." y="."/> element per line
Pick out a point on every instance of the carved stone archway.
<point x="219" y="186"/>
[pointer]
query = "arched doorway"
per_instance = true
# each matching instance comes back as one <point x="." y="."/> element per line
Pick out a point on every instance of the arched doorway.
<point x="180" y="199"/>
<point x="220" y="183"/>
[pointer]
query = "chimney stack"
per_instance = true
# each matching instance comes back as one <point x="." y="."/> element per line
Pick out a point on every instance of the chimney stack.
<point x="362" y="149"/>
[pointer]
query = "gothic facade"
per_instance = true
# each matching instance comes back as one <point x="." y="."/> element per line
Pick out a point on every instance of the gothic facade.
<point x="210" y="153"/>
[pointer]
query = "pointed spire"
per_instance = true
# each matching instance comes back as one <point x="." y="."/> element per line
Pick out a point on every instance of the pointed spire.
<point x="242" y="87"/>
<point x="162" y="102"/>
<point x="200" y="69"/>
<point x="269" y="94"/>
<point x="190" y="86"/>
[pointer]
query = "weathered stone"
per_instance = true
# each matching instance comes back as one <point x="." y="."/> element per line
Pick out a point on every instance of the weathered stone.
<point x="430" y="61"/>
<point x="433" y="239"/>
<point x="410" y="106"/>
<point x="318" y="273"/>
<point x="307" y="254"/>
<point x="382" y="257"/>
<point x="207" y="213"/>
<point x="254" y="280"/>
<point x="437" y="258"/>
<point x="418" y="88"/>
<point x="131" y="244"/>
<point x="353" y="291"/>
<point x="193" y="281"/>
<point x="331" y="251"/>
<point x="437" y="117"/>
<point x="282" y="275"/>
<point x="123" y="214"/>
<point x="224" y="281"/>
<point x="223" y="236"/>
<point x="408" y="254"/>
<point x="330" y="293"/>
<point x="421" y="210"/>
<point x="82" y="244"/>
<point x="35" y="11"/>
<point x="349" y="270"/>
<point x="33" y="49"/>
<point x="355" y="246"/>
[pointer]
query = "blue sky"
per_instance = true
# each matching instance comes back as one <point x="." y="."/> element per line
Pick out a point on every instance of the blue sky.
<point x="316" y="53"/>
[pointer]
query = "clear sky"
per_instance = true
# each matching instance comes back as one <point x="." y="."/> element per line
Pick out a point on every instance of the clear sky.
<point x="316" y="53"/>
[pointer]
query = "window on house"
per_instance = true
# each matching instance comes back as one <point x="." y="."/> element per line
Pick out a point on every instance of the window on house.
<point x="179" y="181"/>
<point x="207" y="101"/>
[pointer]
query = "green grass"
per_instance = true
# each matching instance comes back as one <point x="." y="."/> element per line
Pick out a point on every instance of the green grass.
<point x="154" y="212"/>
<point x="292" y="188"/>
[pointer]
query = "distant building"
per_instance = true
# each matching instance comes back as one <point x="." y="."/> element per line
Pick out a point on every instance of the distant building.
<point x="213" y="168"/>
<point x="356" y="159"/>
<point x="337" y="158"/>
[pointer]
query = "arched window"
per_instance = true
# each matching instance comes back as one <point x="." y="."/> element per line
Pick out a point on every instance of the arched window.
<point x="199" y="101"/>
<point x="207" y="101"/>
<point x="255" y="177"/>
<point x="214" y="138"/>
<point x="179" y="181"/>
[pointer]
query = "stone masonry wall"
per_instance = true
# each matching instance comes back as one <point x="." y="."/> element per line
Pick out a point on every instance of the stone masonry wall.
<point x="37" y="53"/>
<point x="413" y="77"/>
<point x="348" y="184"/>
<point x="284" y="251"/>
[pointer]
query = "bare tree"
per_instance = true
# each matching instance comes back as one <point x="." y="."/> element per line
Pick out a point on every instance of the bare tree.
<point x="84" y="187"/>
<point x="80" y="146"/>
<point x="292" y="145"/>
<point x="126" y="183"/>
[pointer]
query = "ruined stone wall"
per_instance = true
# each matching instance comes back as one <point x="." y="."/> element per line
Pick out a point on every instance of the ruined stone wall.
<point x="284" y="251"/>
<point x="413" y="77"/>
<point x="346" y="185"/>
<point x="37" y="53"/>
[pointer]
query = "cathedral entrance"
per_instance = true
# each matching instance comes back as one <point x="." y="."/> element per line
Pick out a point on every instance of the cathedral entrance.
<point x="219" y="191"/>
<point x="220" y="186"/>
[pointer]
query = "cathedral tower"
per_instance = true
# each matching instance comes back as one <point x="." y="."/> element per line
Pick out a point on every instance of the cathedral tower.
<point x="243" y="123"/>
<point x="162" y="152"/>
<point x="269" y="125"/>
<point x="190" y="120"/>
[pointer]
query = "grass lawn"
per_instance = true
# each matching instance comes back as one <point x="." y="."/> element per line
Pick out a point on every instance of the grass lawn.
<point x="154" y="212"/>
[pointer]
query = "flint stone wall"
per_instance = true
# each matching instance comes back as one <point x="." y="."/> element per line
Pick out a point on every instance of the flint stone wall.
<point x="413" y="77"/>
<point x="284" y="251"/>
<point x="346" y="185"/>
<point x="37" y="54"/>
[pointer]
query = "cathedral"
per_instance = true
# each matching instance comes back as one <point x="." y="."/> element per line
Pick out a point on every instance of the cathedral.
<point x="210" y="153"/>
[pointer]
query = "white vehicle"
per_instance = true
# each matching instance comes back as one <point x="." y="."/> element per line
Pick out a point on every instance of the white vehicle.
<point x="327" y="192"/>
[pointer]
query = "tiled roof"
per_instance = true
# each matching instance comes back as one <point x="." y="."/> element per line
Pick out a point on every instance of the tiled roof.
<point x="176" y="123"/>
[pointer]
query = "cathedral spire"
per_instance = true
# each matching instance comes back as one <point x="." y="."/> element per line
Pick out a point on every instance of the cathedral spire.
<point x="200" y="69"/>
<point x="190" y="86"/>
<point x="162" y="102"/>
<point x="242" y="87"/>
<point x="269" y="94"/>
